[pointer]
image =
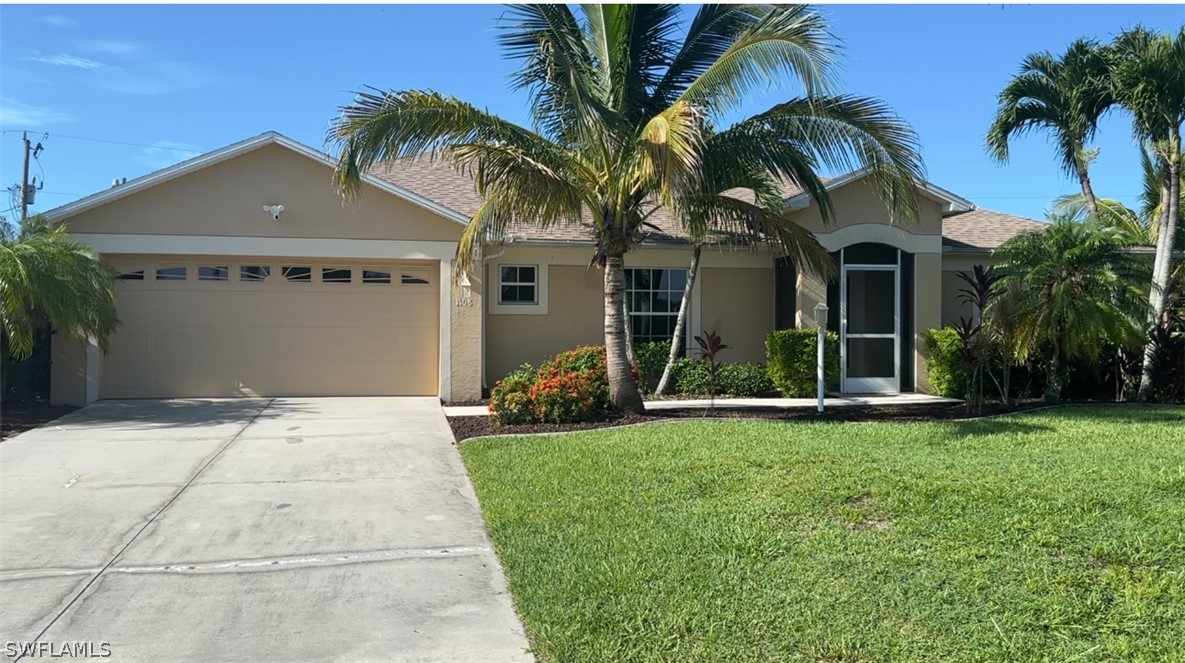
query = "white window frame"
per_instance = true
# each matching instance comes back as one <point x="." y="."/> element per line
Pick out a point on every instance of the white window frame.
<point x="494" y="290"/>
<point x="688" y="331"/>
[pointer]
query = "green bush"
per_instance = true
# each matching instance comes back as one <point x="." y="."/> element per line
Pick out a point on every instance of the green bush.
<point x="510" y="399"/>
<point x="571" y="386"/>
<point x="944" y="362"/>
<point x="744" y="380"/>
<point x="651" y="359"/>
<point x="691" y="377"/>
<point x="791" y="360"/>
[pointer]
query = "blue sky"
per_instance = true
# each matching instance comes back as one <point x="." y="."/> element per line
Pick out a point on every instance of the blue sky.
<point x="180" y="80"/>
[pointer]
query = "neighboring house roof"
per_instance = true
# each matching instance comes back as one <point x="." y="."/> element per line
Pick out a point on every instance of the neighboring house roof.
<point x="981" y="230"/>
<point x="229" y="152"/>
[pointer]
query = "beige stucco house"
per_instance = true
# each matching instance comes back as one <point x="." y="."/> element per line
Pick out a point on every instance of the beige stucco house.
<point x="242" y="273"/>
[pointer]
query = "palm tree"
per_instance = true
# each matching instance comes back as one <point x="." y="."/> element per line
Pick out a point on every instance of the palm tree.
<point x="1150" y="83"/>
<point x="47" y="276"/>
<point x="1077" y="286"/>
<point x="1064" y="96"/>
<point x="625" y="100"/>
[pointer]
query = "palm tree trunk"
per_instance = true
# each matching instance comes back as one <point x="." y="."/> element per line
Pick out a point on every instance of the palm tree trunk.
<point x="623" y="393"/>
<point x="629" y="329"/>
<point x="1092" y="205"/>
<point x="680" y="321"/>
<point x="1053" y="383"/>
<point x="1162" y="268"/>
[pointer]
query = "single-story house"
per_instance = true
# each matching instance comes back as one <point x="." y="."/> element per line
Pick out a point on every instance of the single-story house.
<point x="243" y="273"/>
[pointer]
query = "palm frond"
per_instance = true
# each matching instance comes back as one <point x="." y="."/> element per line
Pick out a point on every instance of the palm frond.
<point x="48" y="275"/>
<point x="1133" y="228"/>
<point x="1065" y="95"/>
<point x="787" y="41"/>
<point x="384" y="126"/>
<point x="842" y="133"/>
<point x="557" y="70"/>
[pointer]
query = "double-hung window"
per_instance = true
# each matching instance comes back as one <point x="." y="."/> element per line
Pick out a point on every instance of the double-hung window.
<point x="654" y="296"/>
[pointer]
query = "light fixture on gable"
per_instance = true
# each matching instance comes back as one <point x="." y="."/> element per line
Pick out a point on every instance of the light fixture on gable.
<point x="274" y="210"/>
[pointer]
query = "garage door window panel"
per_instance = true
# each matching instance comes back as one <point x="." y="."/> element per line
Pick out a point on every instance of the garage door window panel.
<point x="297" y="273"/>
<point x="376" y="276"/>
<point x="254" y="273"/>
<point x="414" y="277"/>
<point x="337" y="275"/>
<point x="213" y="273"/>
<point x="172" y="273"/>
<point x="130" y="274"/>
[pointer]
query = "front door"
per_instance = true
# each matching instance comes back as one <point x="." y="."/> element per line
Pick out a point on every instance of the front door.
<point x="870" y="329"/>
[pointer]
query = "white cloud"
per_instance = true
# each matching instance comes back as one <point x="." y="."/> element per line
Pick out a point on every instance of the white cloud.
<point x="58" y="20"/>
<point x="23" y="116"/>
<point x="110" y="46"/>
<point x="65" y="60"/>
<point x="165" y="153"/>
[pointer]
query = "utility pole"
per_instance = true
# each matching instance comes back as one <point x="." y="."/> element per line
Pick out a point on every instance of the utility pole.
<point x="25" y="179"/>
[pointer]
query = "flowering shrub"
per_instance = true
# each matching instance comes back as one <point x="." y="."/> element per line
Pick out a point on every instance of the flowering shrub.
<point x="571" y="386"/>
<point x="568" y="397"/>
<point x="510" y="399"/>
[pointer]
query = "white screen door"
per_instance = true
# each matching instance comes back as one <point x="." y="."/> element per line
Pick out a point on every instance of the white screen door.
<point x="871" y="325"/>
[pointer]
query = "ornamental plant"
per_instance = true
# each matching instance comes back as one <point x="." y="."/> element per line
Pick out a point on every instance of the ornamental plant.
<point x="569" y="387"/>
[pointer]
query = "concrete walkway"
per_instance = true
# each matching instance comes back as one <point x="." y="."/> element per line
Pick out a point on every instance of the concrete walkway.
<point x="339" y="529"/>
<point x="745" y="403"/>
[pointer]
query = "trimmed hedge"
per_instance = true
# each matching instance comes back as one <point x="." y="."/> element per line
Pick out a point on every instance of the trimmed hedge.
<point x="944" y="362"/>
<point x="790" y="360"/>
<point x="691" y="376"/>
<point x="744" y="380"/>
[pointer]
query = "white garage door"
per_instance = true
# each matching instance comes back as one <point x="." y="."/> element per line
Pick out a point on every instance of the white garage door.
<point x="222" y="327"/>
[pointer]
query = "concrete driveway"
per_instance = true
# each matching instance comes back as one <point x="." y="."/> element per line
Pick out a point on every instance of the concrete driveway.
<point x="329" y="529"/>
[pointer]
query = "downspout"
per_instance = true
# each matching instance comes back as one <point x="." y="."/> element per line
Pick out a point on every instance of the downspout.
<point x="485" y="305"/>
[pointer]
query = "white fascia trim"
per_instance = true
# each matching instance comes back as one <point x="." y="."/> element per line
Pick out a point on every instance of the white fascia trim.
<point x="377" y="249"/>
<point x="880" y="234"/>
<point x="229" y="152"/>
<point x="950" y="201"/>
<point x="446" y="330"/>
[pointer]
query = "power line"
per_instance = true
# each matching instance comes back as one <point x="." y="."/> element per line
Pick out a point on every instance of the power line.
<point x="112" y="142"/>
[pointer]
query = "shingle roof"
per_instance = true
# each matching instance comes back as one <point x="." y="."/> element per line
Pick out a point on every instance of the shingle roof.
<point x="983" y="230"/>
<point x="439" y="182"/>
<point x="977" y="230"/>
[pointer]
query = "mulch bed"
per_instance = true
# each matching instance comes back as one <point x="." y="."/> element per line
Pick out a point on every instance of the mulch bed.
<point x="468" y="427"/>
<point x="16" y="418"/>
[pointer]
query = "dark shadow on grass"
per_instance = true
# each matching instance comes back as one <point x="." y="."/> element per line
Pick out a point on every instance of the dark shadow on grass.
<point x="178" y="413"/>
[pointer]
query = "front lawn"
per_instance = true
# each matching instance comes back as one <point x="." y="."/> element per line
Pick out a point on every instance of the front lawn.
<point x="1056" y="535"/>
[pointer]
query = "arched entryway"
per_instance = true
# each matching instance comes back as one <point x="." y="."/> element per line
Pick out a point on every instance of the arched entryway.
<point x="871" y="310"/>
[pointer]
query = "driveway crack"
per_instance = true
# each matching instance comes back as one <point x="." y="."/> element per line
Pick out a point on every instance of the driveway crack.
<point x="222" y="449"/>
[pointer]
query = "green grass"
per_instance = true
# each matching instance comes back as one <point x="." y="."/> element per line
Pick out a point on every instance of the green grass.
<point x="1050" y="536"/>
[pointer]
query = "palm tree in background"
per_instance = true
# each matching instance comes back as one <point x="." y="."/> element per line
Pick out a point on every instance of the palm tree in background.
<point x="1064" y="96"/>
<point x="47" y="276"/>
<point x="625" y="102"/>
<point x="1078" y="287"/>
<point x="1149" y="79"/>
